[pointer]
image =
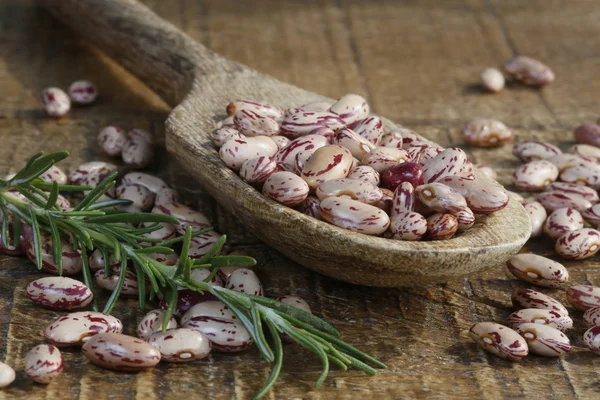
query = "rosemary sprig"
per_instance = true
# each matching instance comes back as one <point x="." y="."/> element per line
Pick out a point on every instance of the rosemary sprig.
<point x="26" y="198"/>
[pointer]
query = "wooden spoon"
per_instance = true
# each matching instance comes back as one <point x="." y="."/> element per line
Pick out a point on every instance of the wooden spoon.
<point x="199" y="84"/>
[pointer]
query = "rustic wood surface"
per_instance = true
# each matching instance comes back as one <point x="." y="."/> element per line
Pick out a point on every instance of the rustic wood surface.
<point x="417" y="63"/>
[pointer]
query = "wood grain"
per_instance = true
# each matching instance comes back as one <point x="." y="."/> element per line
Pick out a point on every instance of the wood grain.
<point x="330" y="47"/>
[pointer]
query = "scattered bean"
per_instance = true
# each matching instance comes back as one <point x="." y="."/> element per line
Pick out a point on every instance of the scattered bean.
<point x="529" y="298"/>
<point x="71" y="260"/>
<point x="83" y="92"/>
<point x="328" y="162"/>
<point x="499" y="340"/>
<point x="572" y="188"/>
<point x="133" y="354"/>
<point x="492" y="80"/>
<point x="214" y="309"/>
<point x="591" y="338"/>
<point x="152" y="322"/>
<point x="541" y="317"/>
<point x="408" y="225"/>
<point x="184" y="214"/>
<point x="245" y="281"/>
<point x="587" y="152"/>
<point x="76" y="328"/>
<point x="56" y="102"/>
<point x="181" y="345"/>
<point x="591" y="316"/>
<point x="587" y="174"/>
<point x="350" y="108"/>
<point x="578" y="245"/>
<point x="538" y="270"/>
<point x="286" y="188"/>
<point x="7" y="375"/>
<point x="537" y="217"/>
<point x="130" y="286"/>
<point x="562" y="221"/>
<point x="584" y="297"/>
<point x="533" y="150"/>
<point x="43" y="363"/>
<point x="544" y="340"/>
<point x="528" y="71"/>
<point x="226" y="335"/>
<point x="137" y="152"/>
<point x="554" y="200"/>
<point x="535" y="175"/>
<point x="59" y="292"/>
<point x="565" y="161"/>
<point x="487" y="132"/>
<point x="487" y="171"/>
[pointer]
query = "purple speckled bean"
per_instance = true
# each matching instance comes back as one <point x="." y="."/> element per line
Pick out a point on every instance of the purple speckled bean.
<point x="328" y="162"/>
<point x="150" y="182"/>
<point x="544" y="340"/>
<point x="166" y="231"/>
<point x="43" y="363"/>
<point x="139" y="196"/>
<point x="482" y="196"/>
<point x="354" y="215"/>
<point x="592" y="214"/>
<point x="579" y="244"/>
<point x="392" y="139"/>
<point x="441" y="226"/>
<point x="410" y="138"/>
<point x="584" y="297"/>
<point x="71" y="259"/>
<point x="407" y="225"/>
<point x="588" y="134"/>
<point x="587" y="174"/>
<point x="251" y="123"/>
<point x="538" y="270"/>
<point x="235" y="151"/>
<point x="59" y="293"/>
<point x="591" y="316"/>
<point x="130" y="286"/>
<point x="245" y="281"/>
<point x="350" y="108"/>
<point x="226" y="335"/>
<point x="541" y="317"/>
<point x="355" y="189"/>
<point x="583" y="191"/>
<point x="258" y="169"/>
<point x="370" y="129"/>
<point x="55" y="174"/>
<point x="286" y="188"/>
<point x="111" y="140"/>
<point x="535" y="175"/>
<point x="181" y="345"/>
<point x="358" y="146"/>
<point x="383" y="158"/>
<point x="537" y="217"/>
<point x="310" y="206"/>
<point x="421" y="153"/>
<point x="210" y="308"/>
<point x="487" y="132"/>
<point x="152" y="322"/>
<point x="499" y="340"/>
<point x="529" y="298"/>
<point x="528" y="71"/>
<point x="450" y="162"/>
<point x="56" y="102"/>
<point x="83" y="92"/>
<point x="76" y="328"/>
<point x="532" y="150"/>
<point x="365" y="173"/>
<point x="286" y="157"/>
<point x="133" y="354"/>
<point x="221" y="135"/>
<point x="203" y="273"/>
<point x="137" y="152"/>
<point x="586" y="151"/>
<point x="591" y="338"/>
<point x="184" y="214"/>
<point x="92" y="173"/>
<point x="263" y="109"/>
<point x="565" y="161"/>
<point x="440" y="198"/>
<point x="465" y="219"/>
<point x="404" y="198"/>
<point x="562" y="221"/>
<point x="297" y="122"/>
<point x="555" y="200"/>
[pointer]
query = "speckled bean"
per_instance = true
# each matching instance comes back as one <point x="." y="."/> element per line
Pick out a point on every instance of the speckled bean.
<point x="184" y="214"/>
<point x="280" y="141"/>
<point x="358" y="146"/>
<point x="383" y="158"/>
<point x="297" y="122"/>
<point x="465" y="219"/>
<point x="235" y="151"/>
<point x="586" y="151"/>
<point x="588" y="134"/>
<point x="130" y="286"/>
<point x="165" y="231"/>
<point x="544" y="340"/>
<point x="365" y="173"/>
<point x="528" y="71"/>
<point x="555" y="200"/>
<point x="535" y="175"/>
<point x="111" y="140"/>
<point x="263" y="109"/>
<point x="482" y="196"/>
<point x="137" y="152"/>
<point x="410" y="138"/>
<point x="120" y="352"/>
<point x="350" y="108"/>
<point x="310" y="206"/>
<point x="139" y="196"/>
<point x="492" y="80"/>
<point x="422" y="153"/>
<point x="152" y="322"/>
<point x="578" y="245"/>
<point x="317" y="106"/>
<point x="592" y="214"/>
<point x="487" y="132"/>
<point x="587" y="174"/>
<point x="92" y="173"/>
<point x="286" y="157"/>
<point x="245" y="281"/>
<point x="286" y="188"/>
<point x="355" y="189"/>
<point x="533" y="150"/>
<point x="55" y="174"/>
<point x="59" y="293"/>
<point x="83" y="92"/>
<point x="181" y="345"/>
<point x="529" y="298"/>
<point x="392" y="139"/>
<point x="165" y="197"/>
<point x="440" y="198"/>
<point x="354" y="215"/>
<point x="583" y="191"/>
<point x="258" y="169"/>
<point x="370" y="129"/>
<point x="584" y="297"/>
<point x="56" y="102"/>
<point x="450" y="162"/>
<point x="226" y="335"/>
<point x="441" y="226"/>
<point x="404" y="198"/>
<point x="538" y="270"/>
<point x="296" y="302"/>
<point x="221" y="135"/>
<point x="537" y="217"/>
<point x="76" y="328"/>
<point x="499" y="340"/>
<point x="71" y="259"/>
<point x="251" y="123"/>
<point x="591" y="338"/>
<point x="562" y="221"/>
<point x="385" y="203"/>
<point x="202" y="274"/>
<point x="211" y="308"/>
<point x="565" y="161"/>
<point x="591" y="316"/>
<point x="407" y="225"/>
<point x="7" y="375"/>
<point x="43" y="363"/>
<point x="328" y="162"/>
<point x="226" y="123"/>
<point x="541" y="317"/>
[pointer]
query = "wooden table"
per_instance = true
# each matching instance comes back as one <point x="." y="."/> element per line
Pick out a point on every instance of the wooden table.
<point x="418" y="63"/>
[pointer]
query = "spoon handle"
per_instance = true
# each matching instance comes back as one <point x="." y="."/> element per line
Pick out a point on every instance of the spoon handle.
<point x="162" y="56"/>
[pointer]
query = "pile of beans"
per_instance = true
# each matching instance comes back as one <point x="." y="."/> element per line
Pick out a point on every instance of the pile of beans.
<point x="200" y="324"/>
<point x="540" y="322"/>
<point x="337" y="163"/>
<point x="525" y="70"/>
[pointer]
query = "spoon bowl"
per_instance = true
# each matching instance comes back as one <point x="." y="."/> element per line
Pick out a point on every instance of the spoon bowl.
<point x="199" y="84"/>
